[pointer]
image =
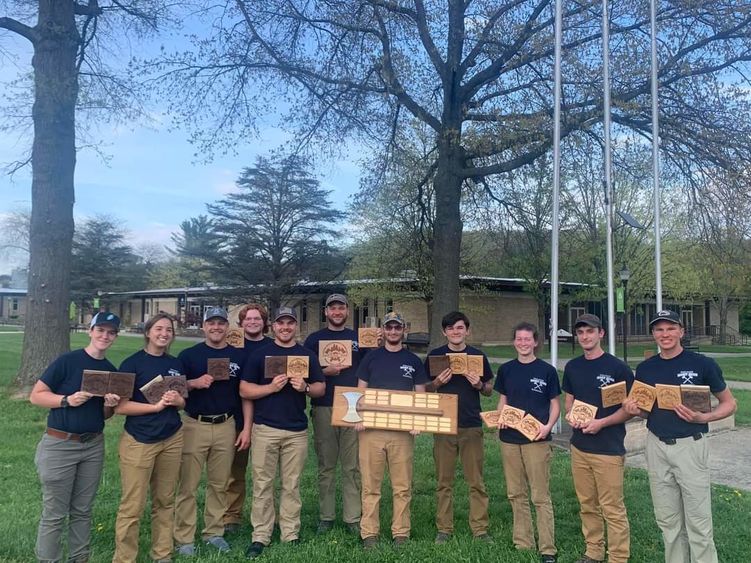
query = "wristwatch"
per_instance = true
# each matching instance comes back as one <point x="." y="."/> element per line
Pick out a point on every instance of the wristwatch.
<point x="64" y="402"/>
<point x="307" y="388"/>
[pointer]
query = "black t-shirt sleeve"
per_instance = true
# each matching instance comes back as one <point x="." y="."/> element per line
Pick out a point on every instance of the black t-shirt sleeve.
<point x="567" y="381"/>
<point x="713" y="374"/>
<point x="499" y="381"/>
<point x="420" y="377"/>
<point x="54" y="375"/>
<point x="363" y="370"/>
<point x="553" y="386"/>
<point x="487" y="371"/>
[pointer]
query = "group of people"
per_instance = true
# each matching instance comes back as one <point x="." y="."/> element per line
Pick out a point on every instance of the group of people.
<point x="248" y="418"/>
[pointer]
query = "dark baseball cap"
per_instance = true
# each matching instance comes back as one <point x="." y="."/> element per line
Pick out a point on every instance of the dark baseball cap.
<point x="665" y="315"/>
<point x="105" y="318"/>
<point x="588" y="319"/>
<point x="215" y="313"/>
<point x="337" y="298"/>
<point x="285" y="312"/>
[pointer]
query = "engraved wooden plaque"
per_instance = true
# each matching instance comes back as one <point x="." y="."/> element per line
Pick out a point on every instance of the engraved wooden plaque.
<point x="696" y="397"/>
<point x="437" y="364"/>
<point x="491" y="418"/>
<point x="367" y="337"/>
<point x="218" y="368"/>
<point x="122" y="384"/>
<point x="154" y="390"/>
<point x="530" y="427"/>
<point x="582" y="412"/>
<point x="177" y="383"/>
<point x="95" y="382"/>
<point x="458" y="363"/>
<point x="614" y="394"/>
<point x="383" y="409"/>
<point x="298" y="366"/>
<point x="643" y="394"/>
<point x="475" y="365"/>
<point x="668" y="396"/>
<point x="511" y="416"/>
<point x="335" y="352"/>
<point x="236" y="337"/>
<point x="274" y="365"/>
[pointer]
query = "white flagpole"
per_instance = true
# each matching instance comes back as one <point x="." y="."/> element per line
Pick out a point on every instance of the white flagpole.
<point x="656" y="156"/>
<point x="608" y="174"/>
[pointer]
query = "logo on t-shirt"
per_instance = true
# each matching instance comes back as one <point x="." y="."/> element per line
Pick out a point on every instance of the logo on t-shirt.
<point x="605" y="379"/>
<point x="233" y="369"/>
<point x="355" y="345"/>
<point x="407" y="370"/>
<point x="173" y="372"/>
<point x="687" y="377"/>
<point x="538" y="384"/>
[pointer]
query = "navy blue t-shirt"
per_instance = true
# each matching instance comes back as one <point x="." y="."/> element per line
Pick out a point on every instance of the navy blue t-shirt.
<point x="252" y="346"/>
<point x="687" y="368"/>
<point x="469" y="397"/>
<point x="398" y="371"/>
<point x="529" y="387"/>
<point x="222" y="396"/>
<point x="152" y="427"/>
<point x="583" y="379"/>
<point x="285" y="409"/>
<point x="63" y="376"/>
<point x="347" y="377"/>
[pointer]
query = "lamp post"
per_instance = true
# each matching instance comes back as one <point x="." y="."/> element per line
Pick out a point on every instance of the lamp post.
<point x="625" y="275"/>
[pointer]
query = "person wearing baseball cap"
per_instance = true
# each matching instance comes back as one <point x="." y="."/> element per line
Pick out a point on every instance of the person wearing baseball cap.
<point x="677" y="452"/>
<point x="70" y="455"/>
<point x="336" y="445"/>
<point x="210" y="435"/>
<point x="597" y="446"/>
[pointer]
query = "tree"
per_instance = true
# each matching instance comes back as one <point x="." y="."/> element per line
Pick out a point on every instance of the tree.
<point x="14" y="235"/>
<point x="276" y="231"/>
<point x="476" y="74"/>
<point x="65" y="43"/>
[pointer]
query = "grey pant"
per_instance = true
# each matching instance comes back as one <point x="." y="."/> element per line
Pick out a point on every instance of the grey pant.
<point x="69" y="473"/>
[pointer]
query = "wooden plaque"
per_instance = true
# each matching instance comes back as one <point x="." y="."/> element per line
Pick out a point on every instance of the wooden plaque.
<point x="122" y="384"/>
<point x="614" y="394"/>
<point x="458" y="363"/>
<point x="668" y="396"/>
<point x="367" y="337"/>
<point x="696" y="397"/>
<point x="177" y="383"/>
<point x="298" y="366"/>
<point x="643" y="394"/>
<point x="395" y="410"/>
<point x="218" y="368"/>
<point x="530" y="427"/>
<point x="236" y="337"/>
<point x="154" y="390"/>
<point x="475" y="365"/>
<point x="582" y="412"/>
<point x="437" y="364"/>
<point x="335" y="352"/>
<point x="274" y="365"/>
<point x="511" y="416"/>
<point x="491" y="418"/>
<point x="99" y="383"/>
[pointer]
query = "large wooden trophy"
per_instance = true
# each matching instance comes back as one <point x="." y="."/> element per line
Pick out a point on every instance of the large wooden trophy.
<point x="395" y="410"/>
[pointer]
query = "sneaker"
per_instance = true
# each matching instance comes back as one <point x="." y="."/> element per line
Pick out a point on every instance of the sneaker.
<point x="440" y="538"/>
<point x="232" y="527"/>
<point x="399" y="541"/>
<point x="325" y="526"/>
<point x="370" y="542"/>
<point x="548" y="558"/>
<point x="353" y="528"/>
<point x="255" y="550"/>
<point x="587" y="559"/>
<point x="186" y="550"/>
<point x="484" y="538"/>
<point x="219" y="543"/>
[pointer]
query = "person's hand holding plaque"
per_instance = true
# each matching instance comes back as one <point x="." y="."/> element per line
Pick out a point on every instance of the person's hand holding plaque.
<point x="278" y="383"/>
<point x="78" y="398"/>
<point x="444" y="377"/>
<point x="111" y="400"/>
<point x="203" y="382"/>
<point x="173" y="398"/>
<point x="298" y="383"/>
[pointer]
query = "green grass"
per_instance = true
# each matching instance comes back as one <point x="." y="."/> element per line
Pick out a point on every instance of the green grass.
<point x="22" y="424"/>
<point x="743" y="413"/>
<point x="735" y="369"/>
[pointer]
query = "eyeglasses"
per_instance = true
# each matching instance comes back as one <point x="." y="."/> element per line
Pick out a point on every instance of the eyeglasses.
<point x="394" y="327"/>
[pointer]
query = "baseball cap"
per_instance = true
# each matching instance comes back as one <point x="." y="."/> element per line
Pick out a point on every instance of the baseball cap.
<point x="285" y="312"/>
<point x="215" y="313"/>
<point x="670" y="316"/>
<point x="105" y="318"/>
<point x="337" y="298"/>
<point x="392" y="317"/>
<point x="588" y="319"/>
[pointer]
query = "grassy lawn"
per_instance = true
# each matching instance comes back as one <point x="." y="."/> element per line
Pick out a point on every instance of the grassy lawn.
<point x="22" y="425"/>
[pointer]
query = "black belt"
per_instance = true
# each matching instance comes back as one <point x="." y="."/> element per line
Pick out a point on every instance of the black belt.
<point x="211" y="418"/>
<point x="83" y="438"/>
<point x="673" y="441"/>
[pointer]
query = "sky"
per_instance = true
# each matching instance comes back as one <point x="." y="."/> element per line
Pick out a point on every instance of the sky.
<point x="149" y="178"/>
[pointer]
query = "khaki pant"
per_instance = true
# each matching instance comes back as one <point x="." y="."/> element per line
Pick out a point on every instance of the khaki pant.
<point x="468" y="445"/>
<point x="287" y="450"/>
<point x="212" y="445"/>
<point x="598" y="480"/>
<point x="380" y="449"/>
<point x="529" y="465"/>
<point x="143" y="467"/>
<point x="680" y="484"/>
<point x="336" y="444"/>
<point x="236" y="488"/>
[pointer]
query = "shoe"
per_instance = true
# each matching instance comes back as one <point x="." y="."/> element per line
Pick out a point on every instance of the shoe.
<point x="484" y="538"/>
<point x="353" y="528"/>
<point x="325" y="526"/>
<point x="232" y="528"/>
<point x="186" y="550"/>
<point x="399" y="541"/>
<point x="587" y="559"/>
<point x="548" y="558"/>
<point x="440" y="538"/>
<point x="370" y="542"/>
<point x="219" y="543"/>
<point x="255" y="550"/>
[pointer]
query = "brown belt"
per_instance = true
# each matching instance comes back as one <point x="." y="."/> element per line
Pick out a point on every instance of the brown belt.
<point x="83" y="438"/>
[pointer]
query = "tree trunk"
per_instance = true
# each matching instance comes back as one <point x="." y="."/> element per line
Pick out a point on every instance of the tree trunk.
<point x="53" y="161"/>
